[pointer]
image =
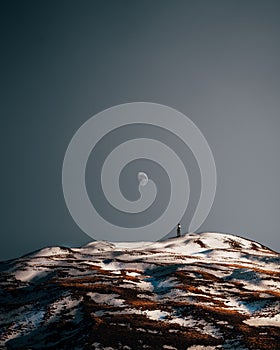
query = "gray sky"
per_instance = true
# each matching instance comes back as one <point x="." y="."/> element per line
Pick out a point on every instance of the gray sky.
<point x="64" y="61"/>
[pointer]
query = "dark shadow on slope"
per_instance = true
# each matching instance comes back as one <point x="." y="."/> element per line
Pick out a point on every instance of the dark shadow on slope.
<point x="158" y="275"/>
<point x="206" y="251"/>
<point x="264" y="259"/>
<point x="244" y="274"/>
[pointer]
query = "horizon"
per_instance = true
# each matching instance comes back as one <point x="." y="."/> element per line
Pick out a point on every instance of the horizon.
<point x="130" y="244"/>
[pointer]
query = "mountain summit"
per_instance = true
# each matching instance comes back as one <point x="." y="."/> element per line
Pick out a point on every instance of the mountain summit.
<point x="200" y="291"/>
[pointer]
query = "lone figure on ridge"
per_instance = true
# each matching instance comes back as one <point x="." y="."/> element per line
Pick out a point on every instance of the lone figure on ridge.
<point x="179" y="230"/>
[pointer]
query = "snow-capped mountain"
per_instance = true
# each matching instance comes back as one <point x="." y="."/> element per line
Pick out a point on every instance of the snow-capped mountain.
<point x="200" y="291"/>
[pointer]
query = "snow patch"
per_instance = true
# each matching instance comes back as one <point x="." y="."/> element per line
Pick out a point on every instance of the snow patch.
<point x="264" y="321"/>
<point x="30" y="274"/>
<point x="109" y="299"/>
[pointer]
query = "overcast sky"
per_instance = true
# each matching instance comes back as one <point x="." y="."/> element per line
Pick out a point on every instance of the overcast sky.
<point x="216" y="61"/>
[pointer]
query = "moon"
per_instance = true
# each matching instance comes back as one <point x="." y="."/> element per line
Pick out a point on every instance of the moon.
<point x="142" y="178"/>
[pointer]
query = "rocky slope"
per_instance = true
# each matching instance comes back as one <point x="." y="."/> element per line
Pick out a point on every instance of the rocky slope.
<point x="201" y="291"/>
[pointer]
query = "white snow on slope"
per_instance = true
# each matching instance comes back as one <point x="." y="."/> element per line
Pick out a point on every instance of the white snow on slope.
<point x="30" y="273"/>
<point x="109" y="299"/>
<point x="264" y="321"/>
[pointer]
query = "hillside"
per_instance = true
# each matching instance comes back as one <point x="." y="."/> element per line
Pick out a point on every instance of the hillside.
<point x="201" y="291"/>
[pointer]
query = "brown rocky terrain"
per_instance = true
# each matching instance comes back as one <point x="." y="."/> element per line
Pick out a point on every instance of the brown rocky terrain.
<point x="201" y="291"/>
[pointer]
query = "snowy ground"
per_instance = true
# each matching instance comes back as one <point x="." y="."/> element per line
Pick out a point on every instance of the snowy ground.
<point x="200" y="291"/>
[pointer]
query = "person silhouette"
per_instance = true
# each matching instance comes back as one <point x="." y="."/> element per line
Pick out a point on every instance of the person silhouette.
<point x="179" y="230"/>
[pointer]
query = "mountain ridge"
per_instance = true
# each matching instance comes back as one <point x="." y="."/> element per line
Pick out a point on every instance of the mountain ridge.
<point x="205" y="290"/>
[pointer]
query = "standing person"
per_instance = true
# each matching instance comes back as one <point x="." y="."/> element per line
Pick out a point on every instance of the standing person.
<point x="179" y="230"/>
